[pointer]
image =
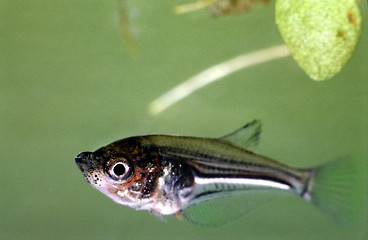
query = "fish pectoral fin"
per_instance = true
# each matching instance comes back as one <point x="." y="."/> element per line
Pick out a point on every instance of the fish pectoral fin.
<point x="247" y="136"/>
<point x="178" y="215"/>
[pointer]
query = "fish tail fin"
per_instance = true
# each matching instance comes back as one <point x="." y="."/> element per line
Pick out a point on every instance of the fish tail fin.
<point x="337" y="189"/>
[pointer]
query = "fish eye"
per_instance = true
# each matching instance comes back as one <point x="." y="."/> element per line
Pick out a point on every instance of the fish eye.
<point x="119" y="170"/>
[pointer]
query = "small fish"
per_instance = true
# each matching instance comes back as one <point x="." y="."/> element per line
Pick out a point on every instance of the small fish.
<point x="194" y="177"/>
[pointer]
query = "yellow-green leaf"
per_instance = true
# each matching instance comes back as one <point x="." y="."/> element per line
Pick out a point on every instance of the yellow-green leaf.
<point x="321" y="34"/>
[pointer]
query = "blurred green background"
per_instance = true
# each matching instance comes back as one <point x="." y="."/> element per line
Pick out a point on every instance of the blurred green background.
<point x="68" y="84"/>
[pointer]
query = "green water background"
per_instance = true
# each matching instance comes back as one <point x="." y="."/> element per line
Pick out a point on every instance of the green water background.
<point x="69" y="85"/>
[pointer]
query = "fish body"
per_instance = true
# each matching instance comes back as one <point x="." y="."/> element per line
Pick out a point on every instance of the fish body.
<point x="167" y="174"/>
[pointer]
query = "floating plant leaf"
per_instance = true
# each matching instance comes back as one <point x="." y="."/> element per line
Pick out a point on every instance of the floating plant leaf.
<point x="321" y="35"/>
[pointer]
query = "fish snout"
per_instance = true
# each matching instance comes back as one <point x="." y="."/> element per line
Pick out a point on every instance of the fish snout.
<point x="81" y="157"/>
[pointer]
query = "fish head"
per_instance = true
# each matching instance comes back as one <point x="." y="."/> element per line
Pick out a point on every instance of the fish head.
<point x="126" y="171"/>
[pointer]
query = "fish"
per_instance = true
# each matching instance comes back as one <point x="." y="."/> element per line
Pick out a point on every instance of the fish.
<point x="197" y="177"/>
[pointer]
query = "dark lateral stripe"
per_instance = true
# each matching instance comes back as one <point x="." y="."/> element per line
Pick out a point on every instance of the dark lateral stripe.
<point x="205" y="161"/>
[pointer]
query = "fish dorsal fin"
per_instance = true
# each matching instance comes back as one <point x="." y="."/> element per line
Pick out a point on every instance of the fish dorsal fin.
<point x="245" y="137"/>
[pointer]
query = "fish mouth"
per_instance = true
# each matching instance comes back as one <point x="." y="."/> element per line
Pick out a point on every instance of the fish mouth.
<point x="86" y="164"/>
<point x="81" y="157"/>
<point x="82" y="160"/>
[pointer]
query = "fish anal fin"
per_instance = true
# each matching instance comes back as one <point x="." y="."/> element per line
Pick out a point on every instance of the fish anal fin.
<point x="220" y="211"/>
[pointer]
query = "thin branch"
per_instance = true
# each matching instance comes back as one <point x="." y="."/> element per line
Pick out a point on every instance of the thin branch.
<point x="215" y="73"/>
<point x="191" y="7"/>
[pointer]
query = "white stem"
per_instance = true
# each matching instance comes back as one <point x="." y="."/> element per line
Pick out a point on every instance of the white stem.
<point x="215" y="73"/>
<point x="191" y="7"/>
